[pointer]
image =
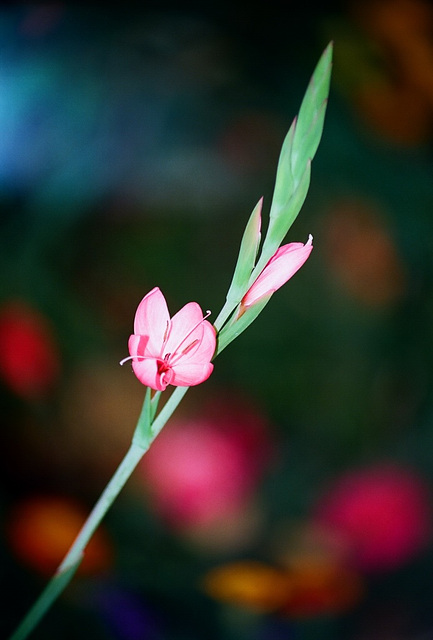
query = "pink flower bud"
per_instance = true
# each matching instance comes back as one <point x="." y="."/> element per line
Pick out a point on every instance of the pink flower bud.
<point x="281" y="267"/>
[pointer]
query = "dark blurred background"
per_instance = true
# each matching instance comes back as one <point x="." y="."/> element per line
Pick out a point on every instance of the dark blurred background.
<point x="290" y="496"/>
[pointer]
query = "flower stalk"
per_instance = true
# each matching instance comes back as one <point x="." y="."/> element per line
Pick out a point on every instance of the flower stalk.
<point x="146" y="431"/>
<point x="178" y="351"/>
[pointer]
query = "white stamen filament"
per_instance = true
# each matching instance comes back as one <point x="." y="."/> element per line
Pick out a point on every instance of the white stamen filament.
<point x="176" y="351"/>
<point x="132" y="358"/>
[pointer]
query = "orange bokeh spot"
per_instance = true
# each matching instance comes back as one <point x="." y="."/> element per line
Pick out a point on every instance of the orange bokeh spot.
<point x="309" y="587"/>
<point x="321" y="587"/>
<point x="362" y="256"/>
<point x="251" y="584"/>
<point x="41" y="530"/>
<point x="385" y="62"/>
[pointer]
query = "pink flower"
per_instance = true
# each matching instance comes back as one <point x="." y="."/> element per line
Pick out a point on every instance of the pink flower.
<point x="281" y="267"/>
<point x="173" y="351"/>
<point x="382" y="513"/>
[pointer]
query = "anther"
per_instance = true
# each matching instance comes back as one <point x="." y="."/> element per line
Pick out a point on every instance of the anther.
<point x="189" y="347"/>
<point x="166" y="332"/>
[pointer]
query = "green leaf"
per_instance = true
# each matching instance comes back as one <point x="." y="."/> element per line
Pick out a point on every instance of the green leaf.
<point x="299" y="148"/>
<point x="232" y="330"/>
<point x="279" y="226"/>
<point x="143" y="432"/>
<point x="247" y="255"/>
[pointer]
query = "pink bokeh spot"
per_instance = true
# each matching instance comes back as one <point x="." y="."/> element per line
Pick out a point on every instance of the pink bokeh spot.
<point x="382" y="512"/>
<point x="201" y="470"/>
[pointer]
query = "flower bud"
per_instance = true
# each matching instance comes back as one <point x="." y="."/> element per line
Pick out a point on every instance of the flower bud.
<point x="281" y="267"/>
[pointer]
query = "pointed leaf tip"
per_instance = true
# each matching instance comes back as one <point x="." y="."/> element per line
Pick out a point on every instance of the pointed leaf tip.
<point x="247" y="254"/>
<point x="300" y="146"/>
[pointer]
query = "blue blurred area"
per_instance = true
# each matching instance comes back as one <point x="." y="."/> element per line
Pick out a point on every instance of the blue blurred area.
<point x="134" y="143"/>
<point x="102" y="111"/>
<point x="125" y="104"/>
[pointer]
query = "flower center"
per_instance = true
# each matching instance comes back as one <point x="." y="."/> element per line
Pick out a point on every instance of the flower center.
<point x="164" y="369"/>
<point x="163" y="364"/>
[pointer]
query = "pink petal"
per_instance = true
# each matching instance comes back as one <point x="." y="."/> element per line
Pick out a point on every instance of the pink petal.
<point x="186" y="343"/>
<point x="206" y="348"/>
<point x="208" y="343"/>
<point x="185" y="327"/>
<point x="146" y="371"/>
<point x="151" y="319"/>
<point x="281" y="267"/>
<point x="137" y="345"/>
<point x="190" y="374"/>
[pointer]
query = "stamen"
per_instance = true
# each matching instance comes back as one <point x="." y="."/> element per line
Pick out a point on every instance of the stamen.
<point x="194" y="342"/>
<point x="131" y="358"/>
<point x="189" y="347"/>
<point x="167" y="331"/>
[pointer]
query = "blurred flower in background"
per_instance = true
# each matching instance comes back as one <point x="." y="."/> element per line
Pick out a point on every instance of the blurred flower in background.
<point x="201" y="473"/>
<point x="125" y="614"/>
<point x="384" y="65"/>
<point x="382" y="513"/>
<point x="41" y="529"/>
<point x="362" y="256"/>
<point x="30" y="361"/>
<point x="306" y="589"/>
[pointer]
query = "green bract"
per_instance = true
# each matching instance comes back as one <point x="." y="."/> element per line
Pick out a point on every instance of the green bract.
<point x="298" y="150"/>
<point x="233" y="329"/>
<point x="291" y="188"/>
<point x="247" y="255"/>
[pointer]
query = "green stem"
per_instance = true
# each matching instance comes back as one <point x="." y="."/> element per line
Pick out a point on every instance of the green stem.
<point x="110" y="493"/>
<point x="225" y="312"/>
<point x="43" y="603"/>
<point x="167" y="410"/>
<point x="75" y="554"/>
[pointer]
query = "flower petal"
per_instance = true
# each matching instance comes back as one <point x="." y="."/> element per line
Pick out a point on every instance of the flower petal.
<point x="146" y="370"/>
<point x="137" y="345"/>
<point x="176" y="351"/>
<point x="281" y="267"/>
<point x="185" y="327"/>
<point x="151" y="319"/>
<point x="187" y="374"/>
<point x="205" y="348"/>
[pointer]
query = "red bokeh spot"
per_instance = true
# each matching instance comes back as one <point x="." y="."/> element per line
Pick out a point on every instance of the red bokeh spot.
<point x="29" y="357"/>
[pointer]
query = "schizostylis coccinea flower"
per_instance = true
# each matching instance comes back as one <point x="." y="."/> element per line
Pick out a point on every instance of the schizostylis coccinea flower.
<point x="164" y="350"/>
<point x="285" y="262"/>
